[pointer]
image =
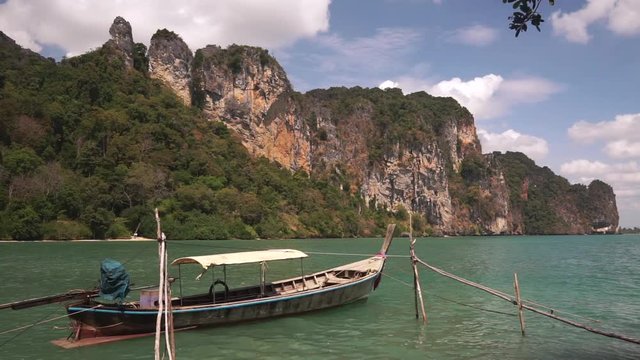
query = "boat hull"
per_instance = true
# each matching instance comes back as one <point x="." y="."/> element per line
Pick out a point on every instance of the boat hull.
<point x="111" y="321"/>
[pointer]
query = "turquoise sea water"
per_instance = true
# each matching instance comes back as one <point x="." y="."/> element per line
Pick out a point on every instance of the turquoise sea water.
<point x="592" y="276"/>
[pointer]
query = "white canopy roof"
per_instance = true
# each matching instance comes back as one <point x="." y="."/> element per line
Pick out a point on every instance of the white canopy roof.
<point x="246" y="257"/>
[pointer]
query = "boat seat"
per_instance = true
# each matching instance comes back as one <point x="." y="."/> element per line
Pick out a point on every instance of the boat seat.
<point x="332" y="279"/>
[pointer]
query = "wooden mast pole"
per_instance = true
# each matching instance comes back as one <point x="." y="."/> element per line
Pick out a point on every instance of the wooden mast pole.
<point x="164" y="298"/>
<point x="416" y="275"/>
<point x="516" y="286"/>
<point x="161" y="258"/>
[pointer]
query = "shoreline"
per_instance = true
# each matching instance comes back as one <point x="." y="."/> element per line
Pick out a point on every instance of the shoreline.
<point x="79" y="240"/>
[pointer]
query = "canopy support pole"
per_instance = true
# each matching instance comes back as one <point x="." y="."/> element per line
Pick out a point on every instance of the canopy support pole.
<point x="263" y="270"/>
<point x="180" y="282"/>
<point x="304" y="282"/>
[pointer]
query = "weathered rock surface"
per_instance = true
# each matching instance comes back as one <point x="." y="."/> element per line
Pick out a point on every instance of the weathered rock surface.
<point x="434" y="167"/>
<point x="170" y="61"/>
<point x="122" y="40"/>
<point x="248" y="90"/>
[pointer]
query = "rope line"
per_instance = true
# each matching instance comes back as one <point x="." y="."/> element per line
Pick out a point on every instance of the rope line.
<point x="48" y="320"/>
<point x="450" y="300"/>
<point x="507" y="297"/>
<point x="351" y="254"/>
<point x="263" y="248"/>
<point x="23" y="328"/>
<point x="551" y="309"/>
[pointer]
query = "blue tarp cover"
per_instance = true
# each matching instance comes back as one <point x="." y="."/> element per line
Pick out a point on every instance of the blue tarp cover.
<point x="114" y="280"/>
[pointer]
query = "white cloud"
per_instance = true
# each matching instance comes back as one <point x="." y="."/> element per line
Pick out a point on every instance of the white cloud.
<point x="623" y="149"/>
<point x="488" y="96"/>
<point x="615" y="173"/>
<point x="624" y="178"/>
<point x="492" y="95"/>
<point x="621" y="17"/>
<point x="622" y="141"/>
<point x="584" y="168"/>
<point x="378" y="51"/>
<point x="623" y="127"/>
<point x="78" y="26"/>
<point x="476" y="35"/>
<point x="388" y="84"/>
<point x="621" y="135"/>
<point x="511" y="140"/>
<point x="367" y="60"/>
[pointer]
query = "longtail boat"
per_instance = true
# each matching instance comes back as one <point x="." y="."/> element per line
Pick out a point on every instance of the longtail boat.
<point x="224" y="304"/>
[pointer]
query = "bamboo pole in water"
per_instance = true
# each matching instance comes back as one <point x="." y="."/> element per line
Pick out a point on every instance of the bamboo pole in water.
<point x="582" y="326"/>
<point x="516" y="287"/>
<point x="508" y="298"/>
<point x="416" y="275"/>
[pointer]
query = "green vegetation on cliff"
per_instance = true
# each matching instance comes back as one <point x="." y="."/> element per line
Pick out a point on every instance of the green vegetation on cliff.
<point x="410" y="121"/>
<point x="549" y="204"/>
<point x="89" y="148"/>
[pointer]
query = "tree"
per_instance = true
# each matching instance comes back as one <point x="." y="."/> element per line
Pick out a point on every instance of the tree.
<point x="98" y="220"/>
<point x="21" y="161"/>
<point x="25" y="224"/>
<point x="526" y="12"/>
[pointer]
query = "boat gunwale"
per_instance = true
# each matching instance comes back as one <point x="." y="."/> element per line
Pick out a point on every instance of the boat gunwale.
<point x="229" y="305"/>
<point x="248" y="302"/>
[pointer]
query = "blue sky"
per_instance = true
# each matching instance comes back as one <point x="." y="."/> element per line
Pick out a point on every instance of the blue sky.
<point x="567" y="96"/>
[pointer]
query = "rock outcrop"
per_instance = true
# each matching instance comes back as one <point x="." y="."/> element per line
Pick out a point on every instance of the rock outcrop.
<point x="122" y="40"/>
<point x="416" y="152"/>
<point x="541" y="202"/>
<point x="169" y="61"/>
<point x="247" y="89"/>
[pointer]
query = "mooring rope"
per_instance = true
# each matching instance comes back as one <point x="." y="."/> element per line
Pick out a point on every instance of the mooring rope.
<point x="510" y="299"/>
<point x="449" y="300"/>
<point x="352" y="254"/>
<point x="263" y="248"/>
<point x="27" y="327"/>
<point x="49" y="320"/>
<point x="491" y="291"/>
<point x="551" y="309"/>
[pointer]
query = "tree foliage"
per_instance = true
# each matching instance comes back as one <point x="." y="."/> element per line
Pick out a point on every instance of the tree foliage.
<point x="525" y="13"/>
<point x="88" y="148"/>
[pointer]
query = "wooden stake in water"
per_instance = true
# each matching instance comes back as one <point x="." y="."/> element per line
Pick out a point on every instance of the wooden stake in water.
<point x="416" y="275"/>
<point x="516" y="286"/>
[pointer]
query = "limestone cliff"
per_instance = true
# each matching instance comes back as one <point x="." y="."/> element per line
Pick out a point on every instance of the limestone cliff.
<point x="248" y="90"/>
<point x="169" y="61"/>
<point x="544" y="203"/>
<point x="122" y="40"/>
<point x="394" y="150"/>
<point x="416" y="152"/>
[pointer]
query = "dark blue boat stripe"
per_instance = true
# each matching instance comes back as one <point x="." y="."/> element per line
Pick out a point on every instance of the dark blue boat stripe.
<point x="266" y="301"/>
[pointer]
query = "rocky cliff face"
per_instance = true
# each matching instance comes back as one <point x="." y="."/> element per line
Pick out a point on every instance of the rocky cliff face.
<point x="122" y="40"/>
<point x="417" y="151"/>
<point x="543" y="203"/>
<point x="248" y="90"/>
<point x="169" y="61"/>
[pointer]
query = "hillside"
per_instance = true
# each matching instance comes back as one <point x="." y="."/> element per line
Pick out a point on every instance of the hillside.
<point x="220" y="142"/>
<point x="89" y="146"/>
